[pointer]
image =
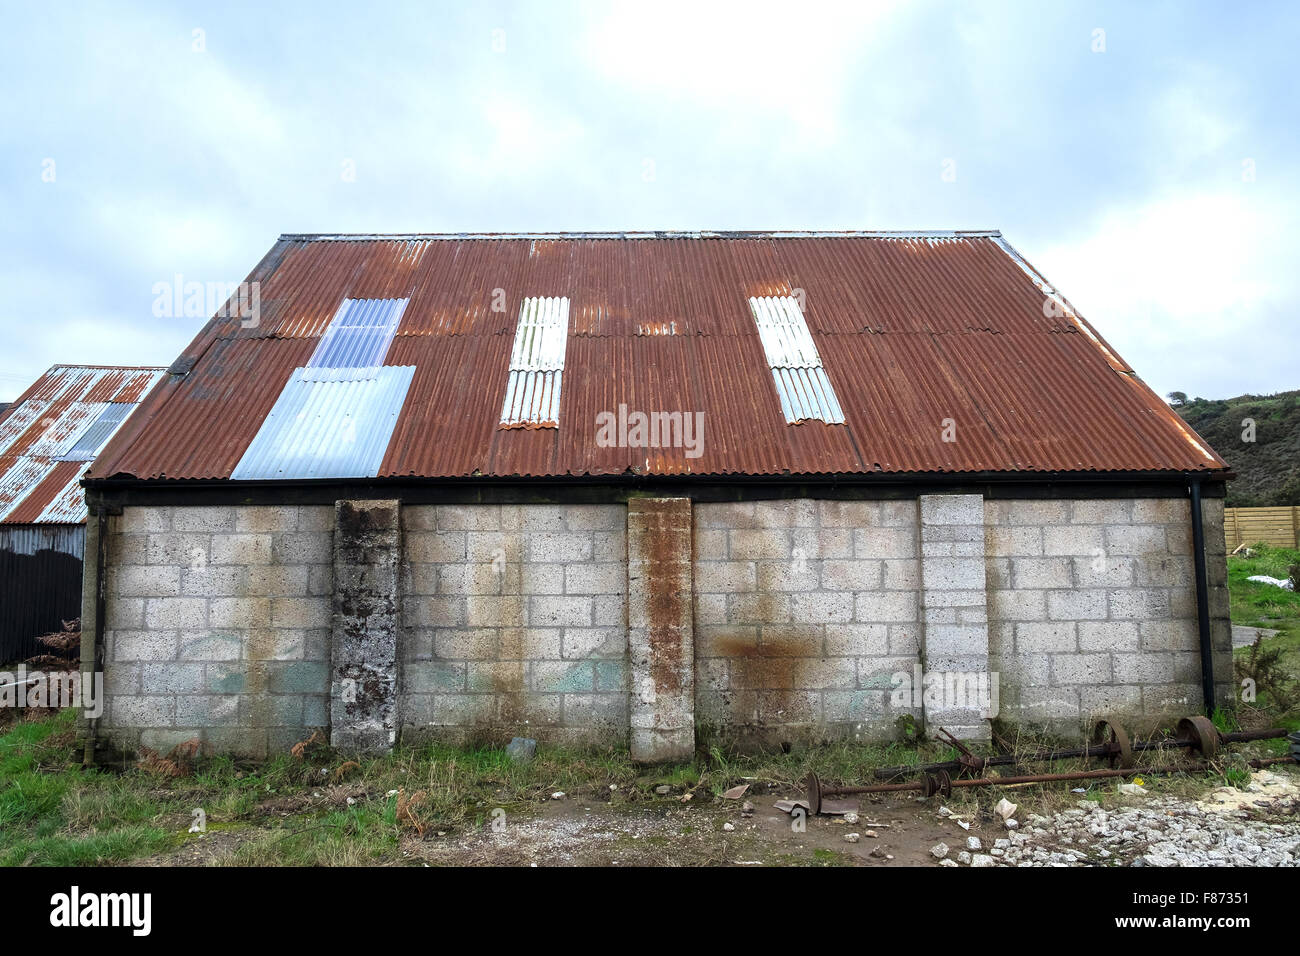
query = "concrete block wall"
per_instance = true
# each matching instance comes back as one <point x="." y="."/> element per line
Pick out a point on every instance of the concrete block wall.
<point x="793" y="619"/>
<point x="804" y="612"/>
<point x="515" y="622"/>
<point x="1092" y="609"/>
<point x="217" y="626"/>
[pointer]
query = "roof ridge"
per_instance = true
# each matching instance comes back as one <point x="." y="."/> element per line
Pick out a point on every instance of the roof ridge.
<point x="650" y="234"/>
<point x="114" y="368"/>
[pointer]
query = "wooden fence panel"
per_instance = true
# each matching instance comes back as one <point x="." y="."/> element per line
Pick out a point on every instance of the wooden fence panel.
<point x="1273" y="526"/>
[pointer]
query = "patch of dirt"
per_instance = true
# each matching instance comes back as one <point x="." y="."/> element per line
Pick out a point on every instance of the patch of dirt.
<point x="577" y="831"/>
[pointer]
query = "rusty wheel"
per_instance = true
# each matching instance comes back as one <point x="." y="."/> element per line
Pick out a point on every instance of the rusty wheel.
<point x="1121" y="750"/>
<point x="814" y="794"/>
<point x="1201" y="733"/>
<point x="938" y="782"/>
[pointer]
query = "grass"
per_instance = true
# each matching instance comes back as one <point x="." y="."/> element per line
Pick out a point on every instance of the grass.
<point x="289" y="811"/>
<point x="1256" y="604"/>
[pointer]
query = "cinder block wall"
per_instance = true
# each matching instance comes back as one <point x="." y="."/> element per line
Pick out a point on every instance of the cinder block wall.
<point x="803" y="611"/>
<point x="1092" y="608"/>
<point x="515" y="622"/>
<point x="218" y="625"/>
<point x="514" y="619"/>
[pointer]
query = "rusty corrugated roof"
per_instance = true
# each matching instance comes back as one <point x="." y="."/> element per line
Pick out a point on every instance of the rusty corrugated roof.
<point x="43" y="425"/>
<point x="913" y="329"/>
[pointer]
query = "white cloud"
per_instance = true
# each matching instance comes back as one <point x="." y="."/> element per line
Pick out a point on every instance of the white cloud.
<point x="762" y="57"/>
<point x="1184" y="287"/>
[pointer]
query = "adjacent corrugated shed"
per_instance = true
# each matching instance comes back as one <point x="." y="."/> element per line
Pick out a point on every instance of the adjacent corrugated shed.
<point x="913" y="330"/>
<point x="45" y="424"/>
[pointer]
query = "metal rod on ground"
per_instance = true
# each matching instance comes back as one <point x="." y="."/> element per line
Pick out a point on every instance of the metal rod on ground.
<point x="1270" y="761"/>
<point x="1196" y="736"/>
<point x="941" y="783"/>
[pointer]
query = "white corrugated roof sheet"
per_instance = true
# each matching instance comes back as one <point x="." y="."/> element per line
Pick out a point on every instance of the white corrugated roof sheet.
<point x="801" y="381"/>
<point x="328" y="423"/>
<point x="537" y="364"/>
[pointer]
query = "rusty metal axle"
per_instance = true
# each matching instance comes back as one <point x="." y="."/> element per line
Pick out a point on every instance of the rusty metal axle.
<point x="1110" y="741"/>
<point x="941" y="783"/>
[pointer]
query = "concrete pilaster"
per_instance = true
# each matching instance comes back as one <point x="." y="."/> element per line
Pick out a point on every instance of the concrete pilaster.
<point x="954" y="607"/>
<point x="363" y="646"/>
<point x="661" y="642"/>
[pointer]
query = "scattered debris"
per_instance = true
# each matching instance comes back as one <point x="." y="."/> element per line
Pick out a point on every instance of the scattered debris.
<point x="1283" y="583"/>
<point x="558" y="795"/>
<point x="343" y="770"/>
<point x="728" y="827"/>
<point x="735" y="793"/>
<point x="313" y="743"/>
<point x="521" y="749"/>
<point x="406" y="813"/>
<point x="1005" y="809"/>
<point x="852" y="837"/>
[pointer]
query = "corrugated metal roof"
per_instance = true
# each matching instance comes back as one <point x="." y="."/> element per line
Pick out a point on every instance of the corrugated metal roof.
<point x="912" y="329"/>
<point x="67" y="410"/>
<point x="328" y="423"/>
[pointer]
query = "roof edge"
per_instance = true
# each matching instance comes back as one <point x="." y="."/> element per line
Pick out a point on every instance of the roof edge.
<point x="650" y="234"/>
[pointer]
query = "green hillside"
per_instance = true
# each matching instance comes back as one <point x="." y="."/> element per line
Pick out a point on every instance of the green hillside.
<point x="1268" y="469"/>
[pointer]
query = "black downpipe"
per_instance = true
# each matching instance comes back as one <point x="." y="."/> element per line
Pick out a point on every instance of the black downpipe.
<point x="1202" y="600"/>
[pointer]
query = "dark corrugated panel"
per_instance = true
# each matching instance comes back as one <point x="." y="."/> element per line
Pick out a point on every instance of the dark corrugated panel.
<point x="913" y="330"/>
<point x="40" y="584"/>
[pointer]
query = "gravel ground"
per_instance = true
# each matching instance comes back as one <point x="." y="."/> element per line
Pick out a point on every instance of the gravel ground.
<point x="1258" y="826"/>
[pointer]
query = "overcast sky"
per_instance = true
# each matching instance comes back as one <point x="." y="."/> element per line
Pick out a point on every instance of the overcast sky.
<point x="1144" y="156"/>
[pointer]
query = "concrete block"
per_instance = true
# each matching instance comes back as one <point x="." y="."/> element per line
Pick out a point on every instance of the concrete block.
<point x="1006" y="540"/>
<point x="149" y="581"/>
<point x="1076" y="605"/>
<point x="470" y="517"/>
<point x="264" y="519"/>
<point x="162" y="614"/>
<point x="824" y="607"/>
<point x="1108" y="635"/>
<point x="885" y="542"/>
<point x="952" y="510"/>
<point x="546" y="547"/>
<point x="240" y="613"/>
<point x="725" y="576"/>
<point x="1017" y="605"/>
<point x="241" y="549"/>
<point x="875" y="607"/>
<point x="1102" y="511"/>
<point x="446" y="547"/>
<point x="759" y="544"/>
<point x="1072" y="670"/>
<point x="1045" y="638"/>
<point x="207" y="519"/>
